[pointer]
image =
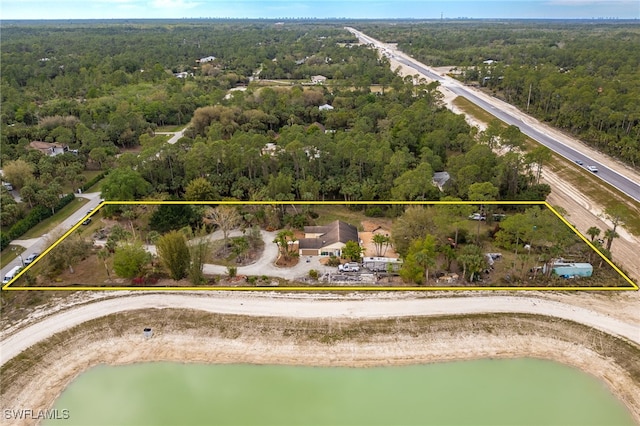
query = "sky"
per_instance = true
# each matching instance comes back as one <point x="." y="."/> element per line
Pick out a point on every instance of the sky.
<point x="281" y="9"/>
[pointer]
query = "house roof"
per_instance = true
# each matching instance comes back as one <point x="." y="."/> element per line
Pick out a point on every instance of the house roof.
<point x="47" y="148"/>
<point x="440" y="178"/>
<point x="332" y="233"/>
<point x="44" y="145"/>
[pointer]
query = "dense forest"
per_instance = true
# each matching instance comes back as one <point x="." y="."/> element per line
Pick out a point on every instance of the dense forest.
<point x="578" y="76"/>
<point x="257" y="127"/>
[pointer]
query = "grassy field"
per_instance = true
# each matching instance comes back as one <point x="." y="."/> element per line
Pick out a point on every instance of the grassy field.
<point x="593" y="187"/>
<point x="48" y="224"/>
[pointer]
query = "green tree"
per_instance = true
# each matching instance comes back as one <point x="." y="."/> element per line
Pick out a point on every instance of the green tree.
<point x="18" y="173"/>
<point x="381" y="243"/>
<point x="482" y="191"/>
<point x="123" y="185"/>
<point x="199" y="246"/>
<point x="609" y="235"/>
<point x="416" y="223"/>
<point x="593" y="232"/>
<point x="352" y="251"/>
<point x="540" y="156"/>
<point x="200" y="189"/>
<point x="283" y="238"/>
<point x="170" y="217"/>
<point x="420" y="258"/>
<point x="473" y="261"/>
<point x="69" y="252"/>
<point x="174" y="254"/>
<point x="104" y="255"/>
<point x="617" y="214"/>
<point x="130" y="260"/>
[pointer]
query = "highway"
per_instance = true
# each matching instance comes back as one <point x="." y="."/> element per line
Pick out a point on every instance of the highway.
<point x="612" y="177"/>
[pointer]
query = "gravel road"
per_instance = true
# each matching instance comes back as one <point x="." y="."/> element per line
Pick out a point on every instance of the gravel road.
<point x="309" y="307"/>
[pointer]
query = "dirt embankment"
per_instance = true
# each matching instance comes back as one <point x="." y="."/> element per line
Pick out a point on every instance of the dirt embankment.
<point x="36" y="377"/>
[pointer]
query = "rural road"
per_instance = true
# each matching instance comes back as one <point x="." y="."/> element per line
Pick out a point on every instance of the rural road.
<point x="40" y="244"/>
<point x="311" y="306"/>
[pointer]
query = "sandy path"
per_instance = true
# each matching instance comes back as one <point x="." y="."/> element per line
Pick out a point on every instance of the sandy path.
<point x="305" y="308"/>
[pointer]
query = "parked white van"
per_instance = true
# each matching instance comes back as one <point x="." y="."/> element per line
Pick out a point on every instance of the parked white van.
<point x="349" y="267"/>
<point x="11" y="274"/>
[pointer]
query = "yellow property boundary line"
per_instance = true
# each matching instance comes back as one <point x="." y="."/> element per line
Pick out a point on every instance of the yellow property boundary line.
<point x="632" y="286"/>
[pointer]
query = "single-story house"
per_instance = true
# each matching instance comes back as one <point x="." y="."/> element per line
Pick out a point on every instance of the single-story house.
<point x="327" y="240"/>
<point x="50" y="149"/>
<point x="206" y="59"/>
<point x="325" y="107"/>
<point x="318" y="79"/>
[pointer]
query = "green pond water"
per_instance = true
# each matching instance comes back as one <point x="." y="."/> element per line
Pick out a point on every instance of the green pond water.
<point x="482" y="392"/>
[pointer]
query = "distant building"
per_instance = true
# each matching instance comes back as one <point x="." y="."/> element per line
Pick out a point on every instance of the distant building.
<point x="183" y="74"/>
<point x="318" y="79"/>
<point x="327" y="240"/>
<point x="50" y="149"/>
<point x="489" y="62"/>
<point x="440" y="179"/>
<point x="206" y="59"/>
<point x="270" y="149"/>
<point x="325" y="107"/>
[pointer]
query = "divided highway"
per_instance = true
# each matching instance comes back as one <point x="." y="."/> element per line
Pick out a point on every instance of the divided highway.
<point x="622" y="183"/>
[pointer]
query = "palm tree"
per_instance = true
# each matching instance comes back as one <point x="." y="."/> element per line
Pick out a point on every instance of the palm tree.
<point x="610" y="234"/>
<point x="104" y="254"/>
<point x="381" y="243"/>
<point x="593" y="232"/>
<point x="282" y="240"/>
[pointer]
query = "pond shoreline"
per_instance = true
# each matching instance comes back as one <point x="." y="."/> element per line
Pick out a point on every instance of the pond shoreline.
<point x="36" y="378"/>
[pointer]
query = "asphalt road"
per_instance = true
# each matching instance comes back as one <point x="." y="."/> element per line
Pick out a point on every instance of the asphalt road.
<point x="629" y="187"/>
<point x="40" y="244"/>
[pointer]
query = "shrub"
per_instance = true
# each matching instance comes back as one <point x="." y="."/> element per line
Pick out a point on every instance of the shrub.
<point x="93" y="181"/>
<point x="375" y="211"/>
<point x="313" y="274"/>
<point x="333" y="261"/>
<point x="232" y="271"/>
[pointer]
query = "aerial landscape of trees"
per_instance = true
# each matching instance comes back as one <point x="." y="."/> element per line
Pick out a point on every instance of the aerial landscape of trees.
<point x="257" y="127"/>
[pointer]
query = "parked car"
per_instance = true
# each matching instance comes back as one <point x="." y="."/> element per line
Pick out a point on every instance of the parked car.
<point x="86" y="221"/>
<point x="29" y="259"/>
<point x="477" y="216"/>
<point x="349" y="267"/>
<point x="593" y="169"/>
